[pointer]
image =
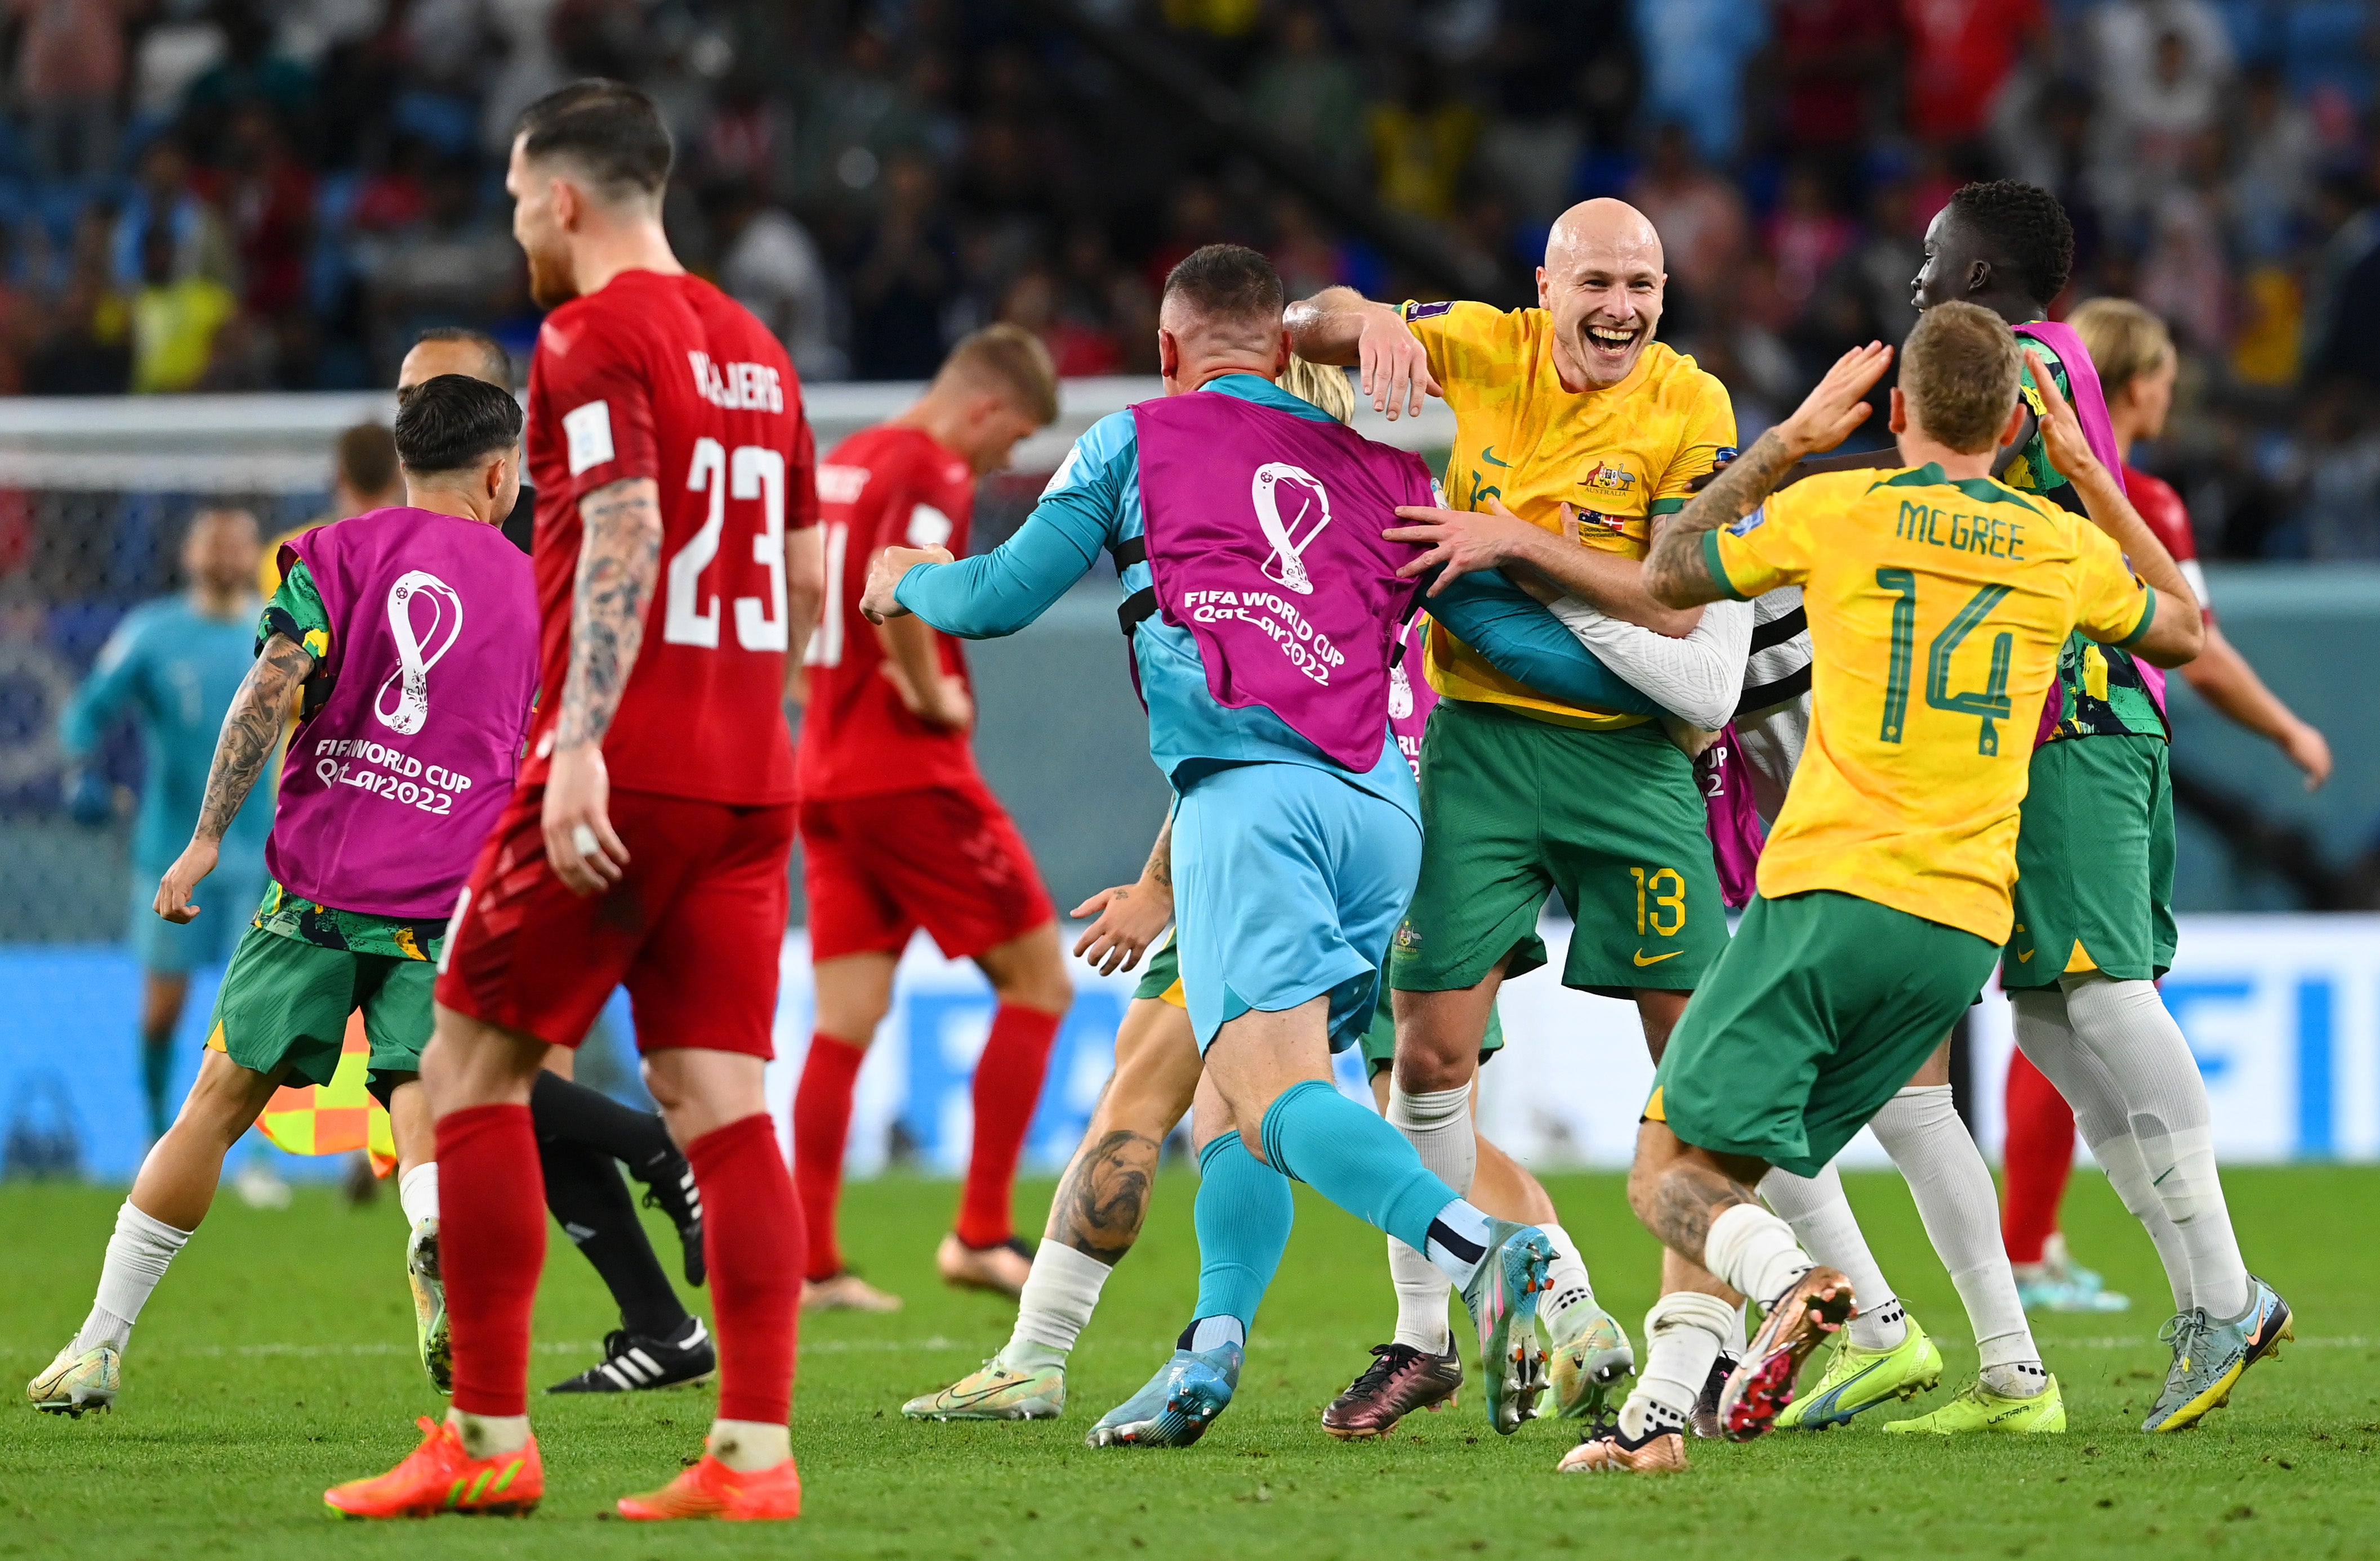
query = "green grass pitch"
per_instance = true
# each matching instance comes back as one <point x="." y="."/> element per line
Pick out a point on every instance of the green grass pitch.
<point x="276" y="1359"/>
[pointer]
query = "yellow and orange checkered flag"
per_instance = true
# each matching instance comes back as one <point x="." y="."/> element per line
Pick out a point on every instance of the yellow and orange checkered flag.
<point x="335" y="1117"/>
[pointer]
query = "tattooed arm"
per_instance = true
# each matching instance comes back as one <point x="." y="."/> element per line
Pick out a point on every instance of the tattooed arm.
<point x="619" y="558"/>
<point x="1675" y="572"/>
<point x="252" y="730"/>
<point x="1130" y="915"/>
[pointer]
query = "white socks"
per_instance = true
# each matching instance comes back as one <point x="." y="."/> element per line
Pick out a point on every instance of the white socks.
<point x="1920" y="1128"/>
<point x="1213" y="1333"/>
<point x="487" y="1437"/>
<point x="2120" y="1059"/>
<point x="2125" y="1025"/>
<point x="1822" y="1221"/>
<point x="748" y="1447"/>
<point x="137" y="1256"/>
<point x="1755" y="1253"/>
<point x="1683" y="1337"/>
<point x="1437" y="1124"/>
<point x="417" y="1193"/>
<point x="1567" y="1285"/>
<point x="1061" y="1292"/>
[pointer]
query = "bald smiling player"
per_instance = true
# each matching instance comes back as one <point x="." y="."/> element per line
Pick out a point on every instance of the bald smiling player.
<point x="1575" y="433"/>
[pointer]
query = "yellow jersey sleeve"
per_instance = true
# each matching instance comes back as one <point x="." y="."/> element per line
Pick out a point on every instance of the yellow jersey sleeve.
<point x="1710" y="429"/>
<point x="2111" y="604"/>
<point x="1469" y="344"/>
<point x="1775" y="550"/>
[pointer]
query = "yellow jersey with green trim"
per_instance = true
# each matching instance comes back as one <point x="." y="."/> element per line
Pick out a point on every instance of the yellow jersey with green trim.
<point x="1618" y="457"/>
<point x="1936" y="607"/>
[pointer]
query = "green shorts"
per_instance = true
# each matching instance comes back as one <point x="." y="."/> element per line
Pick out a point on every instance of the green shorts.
<point x="1513" y="810"/>
<point x="283" y="999"/>
<point x="1160" y="981"/>
<point x="1820" y="1011"/>
<point x="2095" y="863"/>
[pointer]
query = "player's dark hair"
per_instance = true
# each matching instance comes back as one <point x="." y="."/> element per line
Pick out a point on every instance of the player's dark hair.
<point x="367" y="459"/>
<point x="2028" y="226"/>
<point x="1228" y="283"/>
<point x="611" y="130"/>
<point x="453" y="422"/>
<point x="496" y="364"/>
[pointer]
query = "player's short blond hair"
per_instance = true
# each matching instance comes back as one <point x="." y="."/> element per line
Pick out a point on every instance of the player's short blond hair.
<point x="2125" y="342"/>
<point x="1012" y="360"/>
<point x="1324" y="386"/>
<point x="1958" y="373"/>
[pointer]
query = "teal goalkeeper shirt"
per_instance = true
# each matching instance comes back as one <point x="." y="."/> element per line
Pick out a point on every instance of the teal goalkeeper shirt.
<point x="174" y="671"/>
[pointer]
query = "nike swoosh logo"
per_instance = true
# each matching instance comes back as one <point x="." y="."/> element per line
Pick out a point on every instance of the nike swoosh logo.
<point x="1642" y="961"/>
<point x="2024" y="958"/>
<point x="1488" y="455"/>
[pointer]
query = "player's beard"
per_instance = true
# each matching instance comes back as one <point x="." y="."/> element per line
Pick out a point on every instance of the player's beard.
<point x="552" y="282"/>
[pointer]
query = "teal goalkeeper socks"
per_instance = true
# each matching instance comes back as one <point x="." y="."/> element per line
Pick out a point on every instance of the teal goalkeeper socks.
<point x="1243" y="1215"/>
<point x="1360" y="1163"/>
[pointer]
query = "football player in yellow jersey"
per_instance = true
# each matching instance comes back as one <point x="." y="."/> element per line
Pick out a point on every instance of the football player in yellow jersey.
<point x="1575" y="430"/>
<point x="1938" y="601"/>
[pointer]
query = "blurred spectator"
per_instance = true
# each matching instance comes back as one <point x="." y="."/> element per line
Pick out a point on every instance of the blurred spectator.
<point x="1836" y="57"/>
<point x="1075" y="347"/>
<point x="1309" y="95"/>
<point x="268" y="197"/>
<point x="455" y="267"/>
<point x="2341" y="513"/>
<point x="769" y="263"/>
<point x="1808" y="236"/>
<point x="1307" y="261"/>
<point x="2163" y="67"/>
<point x="2343" y="314"/>
<point x="87" y="347"/>
<point x="2269" y="174"/>
<point x="2185" y="276"/>
<point x="250" y="70"/>
<point x="1960" y="54"/>
<point x="175" y="322"/>
<point x="1699" y="216"/>
<point x="1421" y="138"/>
<point x="1695" y="54"/>
<point x="163" y="201"/>
<point x="21" y="321"/>
<point x="69" y="70"/>
<point x="905" y="276"/>
<point x="1193" y="217"/>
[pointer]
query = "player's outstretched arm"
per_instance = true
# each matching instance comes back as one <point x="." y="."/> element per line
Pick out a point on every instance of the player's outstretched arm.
<point x="1130" y="917"/>
<point x="1341" y="326"/>
<point x="619" y="559"/>
<point x="2225" y="680"/>
<point x="1675" y="574"/>
<point x="1463" y="541"/>
<point x="2178" y="629"/>
<point x="252" y="730"/>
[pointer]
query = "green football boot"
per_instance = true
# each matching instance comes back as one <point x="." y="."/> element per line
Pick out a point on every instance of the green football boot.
<point x="2209" y="1356"/>
<point x="1860" y="1379"/>
<point x="1978" y="1409"/>
<point x="1592" y="1360"/>
<point x="79" y="1380"/>
<point x="429" y="1336"/>
<point x="1502" y="1299"/>
<point x="996" y="1392"/>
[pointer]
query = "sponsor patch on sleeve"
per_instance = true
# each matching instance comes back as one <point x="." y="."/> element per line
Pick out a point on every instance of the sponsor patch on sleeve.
<point x="589" y="429"/>
<point x="1427" y="311"/>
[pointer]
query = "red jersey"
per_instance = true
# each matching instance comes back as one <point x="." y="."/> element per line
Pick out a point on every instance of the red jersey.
<point x="886" y="487"/>
<point x="668" y="378"/>
<point x="2168" y="521"/>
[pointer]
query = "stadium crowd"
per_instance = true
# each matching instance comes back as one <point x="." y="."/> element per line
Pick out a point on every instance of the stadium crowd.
<point x="254" y="194"/>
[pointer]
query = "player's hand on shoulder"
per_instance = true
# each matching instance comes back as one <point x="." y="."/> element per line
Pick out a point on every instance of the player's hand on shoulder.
<point x="2062" y="430"/>
<point x="884" y="578"/>
<point x="586" y="853"/>
<point x="1838" y="403"/>
<point x="1131" y="918"/>
<point x="1393" y="364"/>
<point x="174" y="890"/>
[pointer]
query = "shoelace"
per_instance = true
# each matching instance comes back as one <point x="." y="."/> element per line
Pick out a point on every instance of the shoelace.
<point x="2183" y="1330"/>
<point x="1387" y="1359"/>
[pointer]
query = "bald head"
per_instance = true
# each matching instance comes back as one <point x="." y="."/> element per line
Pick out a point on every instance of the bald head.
<point x="1602" y="284"/>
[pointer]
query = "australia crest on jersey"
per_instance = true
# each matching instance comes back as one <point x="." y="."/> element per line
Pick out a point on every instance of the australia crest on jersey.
<point x="1605" y="478"/>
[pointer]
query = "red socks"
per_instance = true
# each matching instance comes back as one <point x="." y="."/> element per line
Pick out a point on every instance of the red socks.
<point x="752" y="1241"/>
<point x="2036" y="1160"/>
<point x="491" y="1250"/>
<point x="821" y="1127"/>
<point x="1007" y="1087"/>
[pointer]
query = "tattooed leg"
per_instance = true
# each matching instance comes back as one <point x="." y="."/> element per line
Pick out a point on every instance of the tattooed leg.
<point x="1677" y="1189"/>
<point x="1104" y="1196"/>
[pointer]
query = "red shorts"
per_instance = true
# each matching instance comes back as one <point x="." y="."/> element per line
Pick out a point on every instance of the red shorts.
<point x="694" y="929"/>
<point x="949" y="860"/>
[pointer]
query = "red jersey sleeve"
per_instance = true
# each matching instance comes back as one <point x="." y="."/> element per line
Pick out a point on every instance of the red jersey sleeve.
<point x="598" y="391"/>
<point x="2169" y="520"/>
<point x="801" y="475"/>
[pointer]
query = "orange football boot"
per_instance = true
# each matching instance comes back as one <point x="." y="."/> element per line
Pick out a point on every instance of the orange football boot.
<point x="710" y="1489"/>
<point x="439" y="1476"/>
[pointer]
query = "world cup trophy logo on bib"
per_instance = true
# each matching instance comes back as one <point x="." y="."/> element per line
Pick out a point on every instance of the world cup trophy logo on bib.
<point x="1273" y="481"/>
<point x="411" y="679"/>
